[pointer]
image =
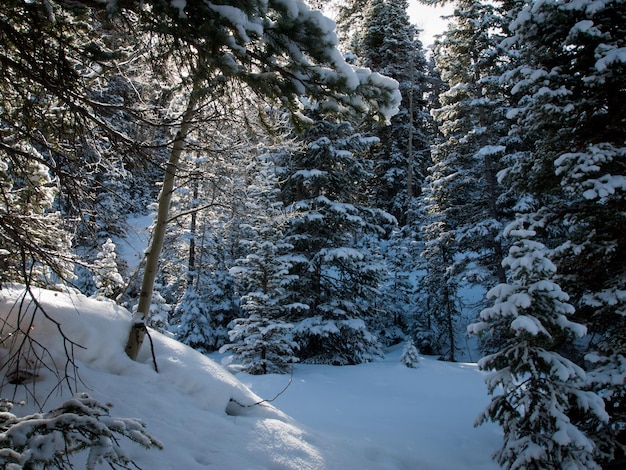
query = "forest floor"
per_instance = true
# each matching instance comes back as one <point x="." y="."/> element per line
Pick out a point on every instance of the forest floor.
<point x="379" y="416"/>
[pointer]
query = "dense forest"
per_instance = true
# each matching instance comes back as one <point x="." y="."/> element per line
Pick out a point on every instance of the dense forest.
<point x="321" y="190"/>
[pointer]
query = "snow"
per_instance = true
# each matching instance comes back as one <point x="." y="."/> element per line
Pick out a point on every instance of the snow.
<point x="238" y="19"/>
<point x="393" y="416"/>
<point x="380" y="415"/>
<point x="309" y="174"/>
<point x="489" y="150"/>
<point x="611" y="56"/>
<point x="585" y="27"/>
<point x="528" y="324"/>
<point x="131" y="247"/>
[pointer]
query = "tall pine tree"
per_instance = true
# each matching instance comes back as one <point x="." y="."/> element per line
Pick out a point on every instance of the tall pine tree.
<point x="537" y="392"/>
<point x="337" y="274"/>
<point x="570" y="177"/>
<point x="389" y="44"/>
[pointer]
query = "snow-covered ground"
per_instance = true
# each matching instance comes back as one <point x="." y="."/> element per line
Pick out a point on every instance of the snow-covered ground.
<point x="380" y="415"/>
<point x="398" y="418"/>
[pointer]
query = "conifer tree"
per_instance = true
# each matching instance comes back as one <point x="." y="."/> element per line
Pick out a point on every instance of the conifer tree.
<point x="438" y="321"/>
<point x="537" y="395"/>
<point x="466" y="213"/>
<point x="196" y="326"/>
<point x="107" y="278"/>
<point x="395" y="304"/>
<point x="160" y="311"/>
<point x="410" y="356"/>
<point x="473" y="137"/>
<point x="568" y="178"/>
<point x="34" y="245"/>
<point x="79" y="425"/>
<point x="261" y="338"/>
<point x="388" y="43"/>
<point x="337" y="274"/>
<point x="261" y="345"/>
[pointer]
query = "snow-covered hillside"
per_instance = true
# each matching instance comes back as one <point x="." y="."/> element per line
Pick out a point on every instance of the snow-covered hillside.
<point x="373" y="416"/>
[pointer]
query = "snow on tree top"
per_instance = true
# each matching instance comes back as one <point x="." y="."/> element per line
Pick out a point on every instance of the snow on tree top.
<point x="491" y="150"/>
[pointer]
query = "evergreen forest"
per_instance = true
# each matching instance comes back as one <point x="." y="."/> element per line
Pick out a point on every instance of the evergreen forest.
<point x="319" y="190"/>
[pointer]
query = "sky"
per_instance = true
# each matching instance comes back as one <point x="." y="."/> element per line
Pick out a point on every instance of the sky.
<point x="428" y="18"/>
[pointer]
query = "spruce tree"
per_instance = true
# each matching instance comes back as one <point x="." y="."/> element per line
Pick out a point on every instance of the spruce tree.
<point x="34" y="241"/>
<point x="337" y="273"/>
<point x="537" y="395"/>
<point x="261" y="338"/>
<point x="388" y="43"/>
<point x="395" y="304"/>
<point x="160" y="311"/>
<point x="410" y="356"/>
<point x="437" y="324"/>
<point x="107" y="279"/>
<point x="466" y="212"/>
<point x="473" y="129"/>
<point x="568" y="177"/>
<point x="196" y="325"/>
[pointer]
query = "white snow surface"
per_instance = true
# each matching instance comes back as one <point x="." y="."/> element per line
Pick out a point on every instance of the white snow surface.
<point x="380" y="415"/>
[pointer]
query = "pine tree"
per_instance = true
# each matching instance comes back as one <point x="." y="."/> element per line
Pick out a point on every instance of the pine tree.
<point x="410" y="356"/>
<point x="466" y="213"/>
<point x="569" y="176"/>
<point x="79" y="425"/>
<point x="160" y="311"/>
<point x="261" y="339"/>
<point x="437" y="324"/>
<point x="337" y="273"/>
<point x="537" y="392"/>
<point x="196" y="326"/>
<point x="473" y="138"/>
<point x="389" y="44"/>
<point x="107" y="279"/>
<point x="395" y="304"/>
<point x="259" y="344"/>
<point x="34" y="242"/>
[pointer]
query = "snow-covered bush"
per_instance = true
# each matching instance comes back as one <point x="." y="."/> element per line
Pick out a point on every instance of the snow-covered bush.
<point x="410" y="356"/>
<point x="46" y="440"/>
<point x="106" y="277"/>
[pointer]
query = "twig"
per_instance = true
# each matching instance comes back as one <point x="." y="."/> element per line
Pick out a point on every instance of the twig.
<point x="156" y="367"/>
<point x="268" y="400"/>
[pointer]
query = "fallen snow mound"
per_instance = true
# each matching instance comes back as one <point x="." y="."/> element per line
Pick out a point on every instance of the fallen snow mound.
<point x="192" y="405"/>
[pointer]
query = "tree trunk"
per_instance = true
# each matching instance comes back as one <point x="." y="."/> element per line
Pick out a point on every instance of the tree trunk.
<point x="138" y="328"/>
<point x="191" y="268"/>
<point x="498" y="251"/>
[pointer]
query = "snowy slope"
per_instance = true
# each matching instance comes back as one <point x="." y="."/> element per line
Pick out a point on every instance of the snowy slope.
<point x="375" y="416"/>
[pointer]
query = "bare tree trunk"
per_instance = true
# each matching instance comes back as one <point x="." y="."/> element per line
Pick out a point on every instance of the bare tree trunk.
<point x="138" y="328"/>
<point x="490" y="177"/>
<point x="192" y="239"/>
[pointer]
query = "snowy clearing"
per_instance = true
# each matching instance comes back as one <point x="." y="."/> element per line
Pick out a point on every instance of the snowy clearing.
<point x="381" y="415"/>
